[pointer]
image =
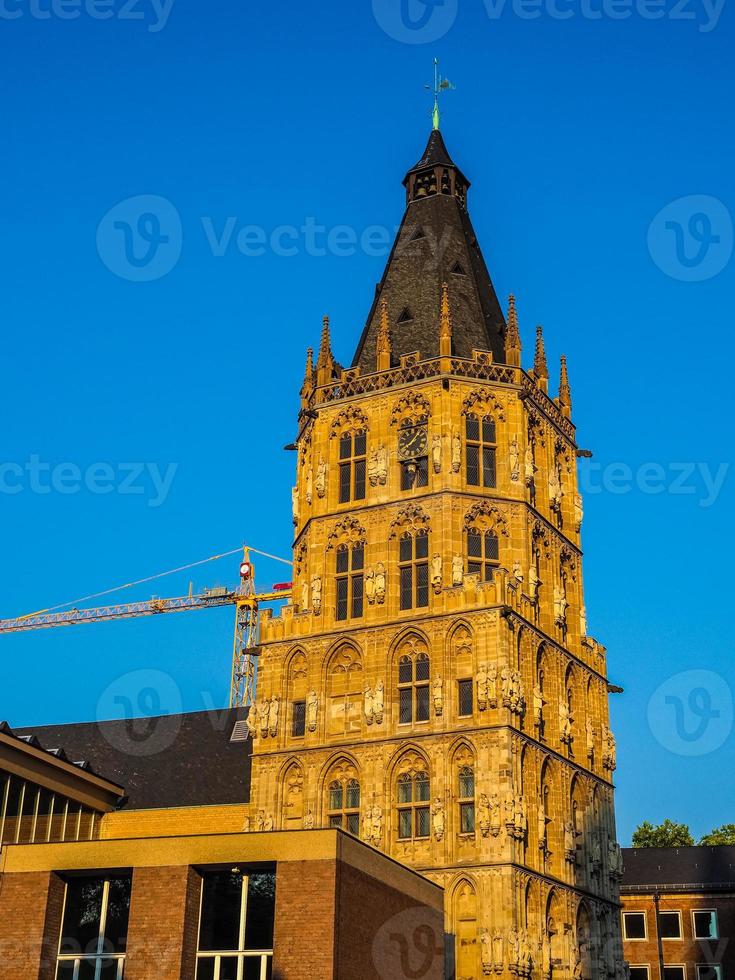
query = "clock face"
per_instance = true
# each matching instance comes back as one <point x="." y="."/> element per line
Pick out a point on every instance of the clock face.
<point x="413" y="442"/>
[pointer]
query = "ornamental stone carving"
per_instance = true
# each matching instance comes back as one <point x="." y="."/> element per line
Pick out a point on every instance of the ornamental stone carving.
<point x="264" y="710"/>
<point x="541" y="829"/>
<point x="312" y="710"/>
<point x="538" y="707"/>
<point x="570" y="843"/>
<point x="482" y="682"/>
<point x="378" y="467"/>
<point x="252" y="720"/>
<point x="555" y="490"/>
<point x="436" y="453"/>
<point x="437" y="819"/>
<point x="560" y="607"/>
<point x="372" y="825"/>
<point x="437" y="693"/>
<point x="457" y="570"/>
<point x="590" y="738"/>
<point x="309" y="820"/>
<point x="566" y="721"/>
<point x="316" y="594"/>
<point x="304" y="595"/>
<point x="515" y="460"/>
<point x="609" y="750"/>
<point x="512" y="685"/>
<point x="486" y="952"/>
<point x="436" y="573"/>
<point x="273" y="712"/>
<point x="321" y="478"/>
<point x="533" y="583"/>
<point x="529" y="467"/>
<point x="498" y="952"/>
<point x="483" y="814"/>
<point x="295" y="504"/>
<point x="456" y="452"/>
<point x="309" y="483"/>
<point x="578" y="512"/>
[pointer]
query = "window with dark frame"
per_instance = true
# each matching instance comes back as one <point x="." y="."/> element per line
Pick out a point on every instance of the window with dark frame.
<point x="465" y="697"/>
<point x="413" y="689"/>
<point x="639" y="973"/>
<point x="466" y="798"/>
<point x="352" y="466"/>
<point x="669" y="924"/>
<point x="236" y="926"/>
<point x="344" y="806"/>
<point x="350" y="581"/>
<point x="298" y="719"/>
<point x="413" y="570"/>
<point x="414" y="812"/>
<point x="94" y="928"/>
<point x="483" y="554"/>
<point x="634" y="925"/>
<point x="709" y="971"/>
<point x="704" y="922"/>
<point x="675" y="973"/>
<point x="480" y="451"/>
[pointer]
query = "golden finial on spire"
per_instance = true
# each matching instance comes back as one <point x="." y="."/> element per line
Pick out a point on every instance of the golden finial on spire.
<point x="445" y="325"/>
<point x="565" y="391"/>
<point x="384" y="346"/>
<point x="512" y="335"/>
<point x="540" y="367"/>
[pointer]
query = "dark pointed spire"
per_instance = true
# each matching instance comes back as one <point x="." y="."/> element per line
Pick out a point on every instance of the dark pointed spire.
<point x="565" y="391"/>
<point x="540" y="367"/>
<point x="512" y="335"/>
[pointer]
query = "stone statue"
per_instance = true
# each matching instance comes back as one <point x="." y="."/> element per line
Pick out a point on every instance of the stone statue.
<point x="252" y="720"/>
<point x="309" y="484"/>
<point x="264" y="710"/>
<point x="246" y="825"/>
<point x="380" y="583"/>
<point x="494" y="815"/>
<point x="560" y="607"/>
<point x="370" y="586"/>
<point x="486" y="952"/>
<point x="436" y="453"/>
<point x="515" y="461"/>
<point x="498" y="952"/>
<point x="273" y="716"/>
<point x="514" y="950"/>
<point x="436" y="573"/>
<point x="482" y="683"/>
<point x="609" y="751"/>
<point x="583" y="621"/>
<point x="509" y="815"/>
<point x="483" y="814"/>
<point x="507" y="685"/>
<point x="316" y="594"/>
<point x="518" y="699"/>
<point x="309" y="820"/>
<point x="312" y="708"/>
<point x="614" y="859"/>
<point x="517" y="571"/>
<point x="369" y="706"/>
<point x="382" y="465"/>
<point x="576" y="962"/>
<point x="565" y="723"/>
<point x="578" y="512"/>
<point x="570" y="842"/>
<point x="529" y="466"/>
<point x="520" y="817"/>
<point x="492" y="686"/>
<point x="456" y="452"/>
<point x="546" y="955"/>
<point x="533" y="583"/>
<point x="541" y="827"/>
<point x="526" y="956"/>
<point x="379" y="702"/>
<point x="295" y="504"/>
<point x="304" y="595"/>
<point x="596" y="852"/>
<point x="538" y="707"/>
<point x="590" y="733"/>
<point x="321" y="478"/>
<point x="372" y="468"/>
<point x="268" y="823"/>
<point x="376" y="825"/>
<point x="437" y="811"/>
<point x="260" y="820"/>
<point x="555" y="490"/>
<point x="438" y="695"/>
<point x="457" y="570"/>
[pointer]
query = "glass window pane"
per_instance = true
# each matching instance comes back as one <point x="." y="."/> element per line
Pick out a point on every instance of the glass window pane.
<point x="473" y="428"/>
<point x="360" y="444"/>
<point x="345" y="446"/>
<point x="488" y="467"/>
<point x="405" y="790"/>
<point x="421" y="787"/>
<point x="335" y="796"/>
<point x="422" y="586"/>
<point x="474" y="544"/>
<point x="360" y="479"/>
<point x="335" y="821"/>
<point x="260" y="912"/>
<point x="474" y="568"/>
<point x="705" y="925"/>
<point x="353" y="795"/>
<point x="422" y="472"/>
<point x="674" y="973"/>
<point x="65" y="970"/>
<point x="488" y="430"/>
<point x="87" y="969"/>
<point x="423" y="665"/>
<point x="422" y="703"/>
<point x="108" y="970"/>
<point x="118" y="912"/>
<point x="342" y="587"/>
<point x="358" y="559"/>
<point x="634" y="925"/>
<point x="357" y="587"/>
<point x="406" y="549"/>
<point x="228" y="967"/>
<point x="220" y="922"/>
<point x="343" y="560"/>
<point x="82" y="915"/>
<point x="299" y="719"/>
<point x="473" y="466"/>
<point x="205" y="968"/>
<point x="466" y="784"/>
<point x="404" y="824"/>
<point x="353" y="824"/>
<point x="422" y="545"/>
<point x="467" y="818"/>
<point x="405" y="715"/>
<point x="492" y="547"/>
<point x="638" y="973"/>
<point x="465" y="697"/>
<point x="407" y="475"/>
<point x="422" y="821"/>
<point x="345" y="471"/>
<point x="406" y="587"/>
<point x="405" y="670"/>
<point x="670" y="925"/>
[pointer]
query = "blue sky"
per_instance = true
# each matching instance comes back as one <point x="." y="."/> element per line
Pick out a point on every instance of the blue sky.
<point x="576" y="132"/>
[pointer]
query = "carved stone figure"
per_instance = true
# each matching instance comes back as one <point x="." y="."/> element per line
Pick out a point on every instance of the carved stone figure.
<point x="436" y="573"/>
<point x="614" y="859"/>
<point x="570" y="842"/>
<point x="538" y="707"/>
<point x="369" y="705"/>
<point x="483" y="814"/>
<point x="316" y="594"/>
<point x="495" y="815"/>
<point x="514" y="950"/>
<point x="533" y="583"/>
<point x="304" y="596"/>
<point x="376" y="825"/>
<point x="264" y="710"/>
<point x="529" y="466"/>
<point x="437" y="812"/>
<point x="560" y="607"/>
<point x="273" y="711"/>
<point x="517" y="571"/>
<point x="578" y="512"/>
<point x="312" y="709"/>
<point x="252" y="720"/>
<point x="518" y="699"/>
<point x="486" y="952"/>
<point x="379" y="702"/>
<point x="436" y="453"/>
<point x="583" y="621"/>
<point x="492" y="686"/>
<point x="457" y="570"/>
<point x="295" y="504"/>
<point x="590" y="735"/>
<point x="263" y="821"/>
<point x="509" y="815"/>
<point x="309" y="483"/>
<point x="555" y="490"/>
<point x="565" y="723"/>
<point x="498" y="952"/>
<point x="380" y="583"/>
<point x="515" y="460"/>
<point x="456" y="452"/>
<point x="378" y="467"/>
<point x="370" y="586"/>
<point x="482" y="682"/>
<point x="576" y="962"/>
<point x="596" y="853"/>
<point x="507" y="686"/>
<point x="546" y="955"/>
<point x="438" y="695"/>
<point x="520" y="817"/>
<point x="246" y="825"/>
<point x="541" y="827"/>
<point x="609" y="750"/>
<point x="321" y="478"/>
<point x="525" y="964"/>
<point x="309" y="820"/>
<point x="268" y="823"/>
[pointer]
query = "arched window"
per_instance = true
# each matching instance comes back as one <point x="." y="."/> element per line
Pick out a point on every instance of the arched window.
<point x="413" y="687"/>
<point x="293" y="798"/>
<point x="413" y="564"/>
<point x="352" y="465"/>
<point x="343" y="805"/>
<point x="481" y="450"/>
<point x="466" y="799"/>
<point x="344" y="692"/>
<point x="350" y="580"/>
<point x="414" y="820"/>
<point x="483" y="553"/>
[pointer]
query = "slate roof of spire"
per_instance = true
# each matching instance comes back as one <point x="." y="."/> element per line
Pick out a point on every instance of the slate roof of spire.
<point x="436" y="243"/>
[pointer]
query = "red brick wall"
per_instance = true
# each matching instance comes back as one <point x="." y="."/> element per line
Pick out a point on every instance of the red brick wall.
<point x="31" y="906"/>
<point x="382" y="933"/>
<point x="164" y="920"/>
<point x="303" y="945"/>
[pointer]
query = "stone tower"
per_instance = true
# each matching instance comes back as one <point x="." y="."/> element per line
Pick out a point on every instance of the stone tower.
<point x="433" y="687"/>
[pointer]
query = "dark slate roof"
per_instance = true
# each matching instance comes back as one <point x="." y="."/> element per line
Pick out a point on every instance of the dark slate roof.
<point x="678" y="867"/>
<point x="436" y="154"/>
<point x="436" y="243"/>
<point x="165" y="761"/>
<point x="57" y="751"/>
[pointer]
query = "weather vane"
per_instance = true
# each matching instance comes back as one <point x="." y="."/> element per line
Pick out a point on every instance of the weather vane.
<point x="440" y="85"/>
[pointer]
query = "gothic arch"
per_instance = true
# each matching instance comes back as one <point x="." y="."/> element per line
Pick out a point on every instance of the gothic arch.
<point x="483" y="401"/>
<point x="484" y="516"/>
<point x="409" y="757"/>
<point x="411" y="518"/>
<point x="350" y="419"/>
<point x="347" y="531"/>
<point x="340" y="791"/>
<point x="343" y="683"/>
<point x="291" y="795"/>
<point x="412" y="407"/>
<point x="296" y="669"/>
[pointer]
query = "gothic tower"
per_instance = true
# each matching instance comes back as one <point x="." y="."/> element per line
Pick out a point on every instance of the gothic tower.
<point x="433" y="687"/>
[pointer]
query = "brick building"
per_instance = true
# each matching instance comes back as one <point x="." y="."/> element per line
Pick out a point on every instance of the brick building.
<point x="678" y="909"/>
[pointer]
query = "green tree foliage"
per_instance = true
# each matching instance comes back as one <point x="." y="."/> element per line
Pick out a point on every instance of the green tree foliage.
<point x="666" y="834"/>
<point x="720" y="835"/>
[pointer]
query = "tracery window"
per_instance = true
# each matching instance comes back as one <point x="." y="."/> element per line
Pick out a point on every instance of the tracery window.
<point x="481" y="450"/>
<point x="343" y="805"/>
<point x="466" y="800"/>
<point x="483" y="553"/>
<point x="413" y="565"/>
<point x="344" y="693"/>
<point x="414" y="817"/>
<point x="352" y="466"/>
<point x="350" y="565"/>
<point x="413" y="687"/>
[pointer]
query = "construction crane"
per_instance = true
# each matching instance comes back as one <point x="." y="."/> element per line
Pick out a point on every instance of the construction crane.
<point x="245" y="599"/>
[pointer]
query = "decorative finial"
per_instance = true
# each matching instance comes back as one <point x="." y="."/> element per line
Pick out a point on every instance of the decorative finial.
<point x="325" y="361"/>
<point x="440" y="85"/>
<point x="540" y="367"/>
<point x="512" y="335"/>
<point x="445" y="324"/>
<point x="565" y="391"/>
<point x="309" y="363"/>
<point x="384" y="346"/>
